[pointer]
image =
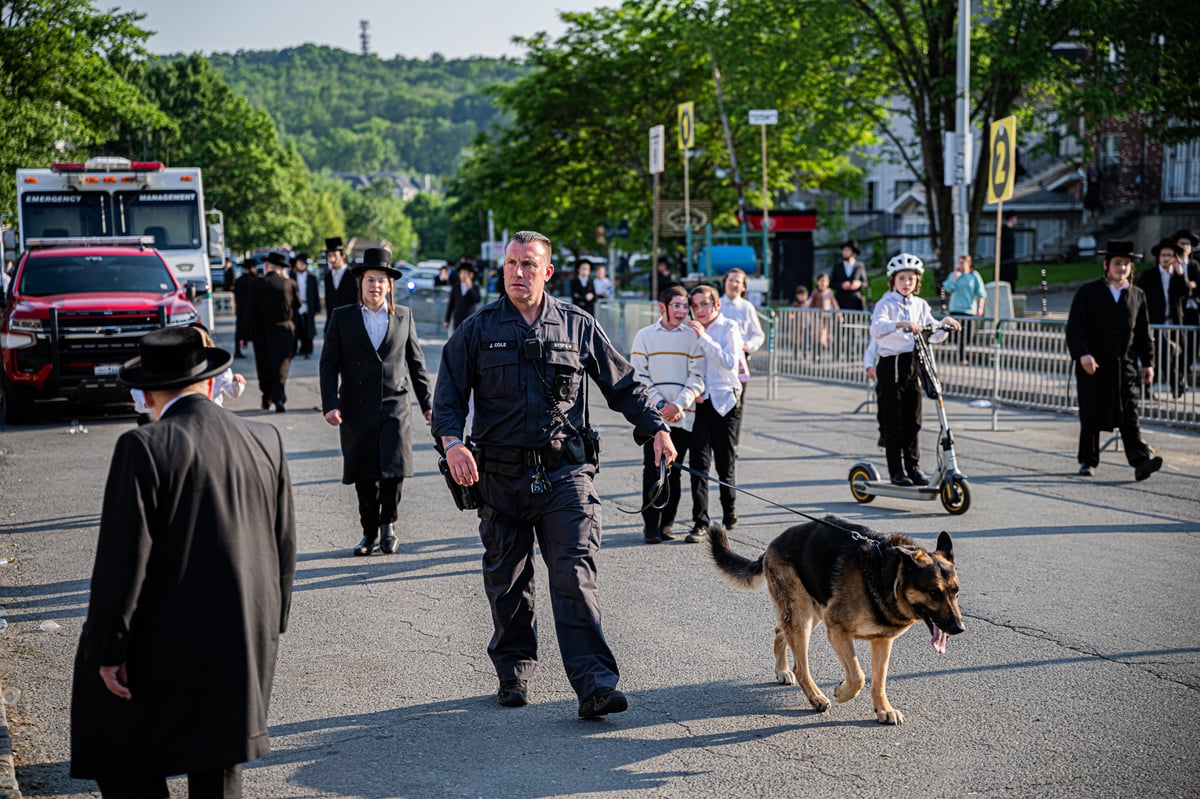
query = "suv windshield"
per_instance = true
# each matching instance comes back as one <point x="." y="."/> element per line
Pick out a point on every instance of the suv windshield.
<point x="95" y="274"/>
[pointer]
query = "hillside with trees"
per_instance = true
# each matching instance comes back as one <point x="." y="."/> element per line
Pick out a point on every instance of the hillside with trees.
<point x="347" y="112"/>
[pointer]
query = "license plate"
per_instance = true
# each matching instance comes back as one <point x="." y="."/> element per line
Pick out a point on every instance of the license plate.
<point x="107" y="369"/>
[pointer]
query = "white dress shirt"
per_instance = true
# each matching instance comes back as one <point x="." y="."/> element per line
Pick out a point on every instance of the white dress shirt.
<point x="377" y="323"/>
<point x="722" y="345"/>
<point x="894" y="308"/>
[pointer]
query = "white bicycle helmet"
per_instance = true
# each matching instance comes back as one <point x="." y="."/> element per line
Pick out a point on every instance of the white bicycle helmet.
<point x="905" y="262"/>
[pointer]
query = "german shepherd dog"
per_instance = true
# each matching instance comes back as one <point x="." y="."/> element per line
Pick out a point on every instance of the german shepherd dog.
<point x="862" y="584"/>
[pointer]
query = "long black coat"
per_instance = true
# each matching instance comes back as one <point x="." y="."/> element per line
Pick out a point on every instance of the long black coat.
<point x="191" y="590"/>
<point x="271" y="308"/>
<point x="371" y="389"/>
<point x="460" y="305"/>
<point x="1113" y="333"/>
<point x="346" y="293"/>
<point x="1161" y="309"/>
<point x="848" y="300"/>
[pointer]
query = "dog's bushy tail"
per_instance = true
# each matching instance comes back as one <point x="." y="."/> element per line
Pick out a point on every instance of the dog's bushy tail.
<point x="739" y="571"/>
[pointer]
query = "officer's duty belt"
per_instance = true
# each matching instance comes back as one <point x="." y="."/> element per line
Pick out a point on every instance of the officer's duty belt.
<point x="512" y="461"/>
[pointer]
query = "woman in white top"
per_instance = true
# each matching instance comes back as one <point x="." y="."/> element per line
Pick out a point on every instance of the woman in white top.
<point x="899" y="316"/>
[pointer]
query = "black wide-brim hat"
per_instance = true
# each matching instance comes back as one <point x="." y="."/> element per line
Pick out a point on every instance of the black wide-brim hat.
<point x="173" y="357"/>
<point x="334" y="243"/>
<point x="1165" y="244"/>
<point x="1184" y="233"/>
<point x="278" y="259"/>
<point x="852" y="244"/>
<point x="376" y="258"/>
<point x="1120" y="247"/>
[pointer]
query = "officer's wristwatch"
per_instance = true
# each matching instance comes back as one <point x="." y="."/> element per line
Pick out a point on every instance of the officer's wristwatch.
<point x="661" y="404"/>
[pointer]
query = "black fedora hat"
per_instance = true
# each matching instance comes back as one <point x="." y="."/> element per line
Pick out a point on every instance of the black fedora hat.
<point x="1165" y="244"/>
<point x="277" y="259"/>
<point x="300" y="256"/>
<point x="334" y="243"/>
<point x="379" y="259"/>
<point x="1119" y="247"/>
<point x="173" y="357"/>
<point x="1184" y="233"/>
<point x="852" y="244"/>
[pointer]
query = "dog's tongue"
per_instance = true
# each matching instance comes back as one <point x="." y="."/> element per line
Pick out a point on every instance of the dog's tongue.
<point x="939" y="640"/>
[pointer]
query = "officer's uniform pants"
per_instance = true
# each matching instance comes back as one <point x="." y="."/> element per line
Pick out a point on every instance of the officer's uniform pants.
<point x="378" y="502"/>
<point x="714" y="438"/>
<point x="898" y="389"/>
<point x="566" y="524"/>
<point x="654" y="518"/>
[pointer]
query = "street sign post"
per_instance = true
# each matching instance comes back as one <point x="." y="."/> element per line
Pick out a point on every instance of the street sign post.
<point x="762" y="118"/>
<point x="684" y="115"/>
<point x="658" y="139"/>
<point x="1002" y="149"/>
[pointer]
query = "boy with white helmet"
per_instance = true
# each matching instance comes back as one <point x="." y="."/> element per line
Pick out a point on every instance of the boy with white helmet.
<point x="898" y="316"/>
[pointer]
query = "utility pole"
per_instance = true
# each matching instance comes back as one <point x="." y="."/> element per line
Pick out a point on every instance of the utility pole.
<point x="964" y="145"/>
<point x="364" y="37"/>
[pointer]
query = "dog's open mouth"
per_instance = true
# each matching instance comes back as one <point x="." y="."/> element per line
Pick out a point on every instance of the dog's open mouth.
<point x="940" y="637"/>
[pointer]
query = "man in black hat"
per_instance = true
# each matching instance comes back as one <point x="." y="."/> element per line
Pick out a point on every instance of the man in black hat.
<point x="1166" y="290"/>
<point x="241" y="296"/>
<point x="190" y="590"/>
<point x="849" y="277"/>
<point x="464" y="296"/>
<point x="1185" y="242"/>
<point x="310" y="305"/>
<point x="1108" y="329"/>
<point x="270" y="315"/>
<point x="367" y="346"/>
<point x="340" y="287"/>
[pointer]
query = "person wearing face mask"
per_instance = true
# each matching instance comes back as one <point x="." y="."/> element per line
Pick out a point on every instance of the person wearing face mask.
<point x="1108" y="330"/>
<point x="898" y="316"/>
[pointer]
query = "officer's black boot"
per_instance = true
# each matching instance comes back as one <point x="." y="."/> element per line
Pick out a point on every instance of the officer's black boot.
<point x="389" y="542"/>
<point x="896" y="468"/>
<point x="368" y="543"/>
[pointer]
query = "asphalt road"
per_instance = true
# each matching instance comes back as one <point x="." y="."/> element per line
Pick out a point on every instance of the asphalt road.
<point x="1078" y="674"/>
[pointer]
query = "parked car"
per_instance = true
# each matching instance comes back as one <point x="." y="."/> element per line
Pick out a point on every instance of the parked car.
<point x="418" y="278"/>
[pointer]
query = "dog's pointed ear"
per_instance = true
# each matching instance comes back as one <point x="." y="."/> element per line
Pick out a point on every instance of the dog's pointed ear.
<point x="910" y="552"/>
<point x="945" y="546"/>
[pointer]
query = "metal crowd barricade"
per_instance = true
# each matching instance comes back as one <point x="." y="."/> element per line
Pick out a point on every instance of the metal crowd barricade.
<point x="1035" y="368"/>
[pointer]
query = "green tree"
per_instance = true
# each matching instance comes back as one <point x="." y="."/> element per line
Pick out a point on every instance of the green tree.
<point x="573" y="153"/>
<point x="64" y="82"/>
<point x="261" y="184"/>
<point x="431" y="221"/>
<point x="377" y="213"/>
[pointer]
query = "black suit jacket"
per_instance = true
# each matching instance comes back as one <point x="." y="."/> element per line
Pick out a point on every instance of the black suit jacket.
<point x="461" y="305"/>
<point x="372" y="390"/>
<point x="1163" y="310"/>
<point x="1114" y="333"/>
<point x="311" y="293"/>
<point x="271" y="302"/>
<point x="191" y="587"/>
<point x="345" y="294"/>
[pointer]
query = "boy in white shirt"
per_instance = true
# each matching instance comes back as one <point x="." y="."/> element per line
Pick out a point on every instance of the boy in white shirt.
<point x="899" y="316"/>
<point x="714" y="435"/>
<point x="667" y="359"/>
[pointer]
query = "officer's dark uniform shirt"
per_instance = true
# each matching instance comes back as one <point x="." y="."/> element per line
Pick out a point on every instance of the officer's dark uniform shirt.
<point x="488" y="354"/>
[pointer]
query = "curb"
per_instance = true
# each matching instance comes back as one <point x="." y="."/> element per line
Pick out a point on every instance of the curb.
<point x="9" y="789"/>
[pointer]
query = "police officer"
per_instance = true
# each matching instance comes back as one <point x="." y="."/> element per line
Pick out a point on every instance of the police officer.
<point x="524" y="358"/>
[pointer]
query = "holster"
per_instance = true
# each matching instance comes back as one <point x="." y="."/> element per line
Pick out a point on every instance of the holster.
<point x="465" y="497"/>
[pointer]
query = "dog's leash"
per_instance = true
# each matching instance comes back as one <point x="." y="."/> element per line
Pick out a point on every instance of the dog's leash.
<point x="658" y="492"/>
<point x="853" y="533"/>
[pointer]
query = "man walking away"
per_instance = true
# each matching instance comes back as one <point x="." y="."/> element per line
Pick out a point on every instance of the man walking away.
<point x="271" y="316"/>
<point x="190" y="590"/>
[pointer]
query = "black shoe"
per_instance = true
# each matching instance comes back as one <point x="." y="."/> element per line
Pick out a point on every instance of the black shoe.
<point x="513" y="693"/>
<point x="1147" y="468"/>
<point x="729" y="522"/>
<point x="367" y="545"/>
<point x="601" y="702"/>
<point x="651" y="535"/>
<point x="266" y="404"/>
<point x="667" y="533"/>
<point x="389" y="542"/>
<point x="698" y="534"/>
<point x="1086" y="471"/>
<point x="917" y="476"/>
<point x="901" y="480"/>
<point x="279" y="408"/>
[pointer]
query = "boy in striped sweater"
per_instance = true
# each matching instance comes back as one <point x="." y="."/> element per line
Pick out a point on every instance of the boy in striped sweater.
<point x="667" y="359"/>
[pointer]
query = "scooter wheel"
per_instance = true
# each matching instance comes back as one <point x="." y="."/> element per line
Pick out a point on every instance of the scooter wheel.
<point x="860" y="474"/>
<point x="956" y="496"/>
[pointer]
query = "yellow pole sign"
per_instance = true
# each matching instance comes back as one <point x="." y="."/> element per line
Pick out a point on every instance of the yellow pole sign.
<point x="1002" y="170"/>
<point x="687" y="129"/>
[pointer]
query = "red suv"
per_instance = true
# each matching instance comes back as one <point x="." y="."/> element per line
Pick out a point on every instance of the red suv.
<point x="73" y="314"/>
